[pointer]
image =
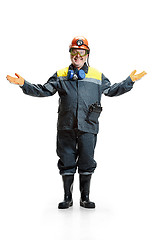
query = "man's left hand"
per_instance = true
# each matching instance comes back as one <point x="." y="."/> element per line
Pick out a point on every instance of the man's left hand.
<point x="137" y="76"/>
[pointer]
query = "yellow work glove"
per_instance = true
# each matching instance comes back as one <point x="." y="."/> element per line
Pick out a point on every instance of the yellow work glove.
<point x="19" y="80"/>
<point x="138" y="76"/>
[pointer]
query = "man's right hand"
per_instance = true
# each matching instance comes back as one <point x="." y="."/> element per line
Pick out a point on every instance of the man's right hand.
<point x="19" y="80"/>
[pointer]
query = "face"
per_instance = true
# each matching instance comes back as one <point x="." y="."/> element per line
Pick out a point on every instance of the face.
<point x="78" y="57"/>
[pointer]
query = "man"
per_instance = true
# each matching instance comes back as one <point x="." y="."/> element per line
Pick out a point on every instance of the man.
<point x="80" y="88"/>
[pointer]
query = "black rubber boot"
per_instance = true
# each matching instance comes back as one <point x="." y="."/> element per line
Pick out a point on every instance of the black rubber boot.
<point x="68" y="188"/>
<point x="85" y="189"/>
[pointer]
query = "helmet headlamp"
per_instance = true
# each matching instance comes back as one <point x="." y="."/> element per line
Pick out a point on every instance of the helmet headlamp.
<point x="80" y="42"/>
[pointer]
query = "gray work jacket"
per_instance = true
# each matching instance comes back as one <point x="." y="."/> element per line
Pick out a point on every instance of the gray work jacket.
<point x="79" y="100"/>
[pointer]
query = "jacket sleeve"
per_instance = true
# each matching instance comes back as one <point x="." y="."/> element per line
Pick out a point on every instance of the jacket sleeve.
<point x="38" y="90"/>
<point x="117" y="88"/>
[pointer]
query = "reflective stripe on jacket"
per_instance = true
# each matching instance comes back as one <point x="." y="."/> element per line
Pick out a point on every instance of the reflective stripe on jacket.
<point x="77" y="97"/>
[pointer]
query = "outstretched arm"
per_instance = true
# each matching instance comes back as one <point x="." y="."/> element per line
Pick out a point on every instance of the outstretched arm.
<point x="36" y="90"/>
<point x="122" y="87"/>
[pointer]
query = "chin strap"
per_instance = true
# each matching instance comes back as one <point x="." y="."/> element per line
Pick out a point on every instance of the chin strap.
<point x="88" y="61"/>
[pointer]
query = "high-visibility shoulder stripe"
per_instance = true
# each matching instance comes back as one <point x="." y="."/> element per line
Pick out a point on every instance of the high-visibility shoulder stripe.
<point x="93" y="73"/>
<point x="63" y="72"/>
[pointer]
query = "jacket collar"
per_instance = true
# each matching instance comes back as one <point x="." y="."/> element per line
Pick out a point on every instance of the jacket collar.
<point x="84" y="68"/>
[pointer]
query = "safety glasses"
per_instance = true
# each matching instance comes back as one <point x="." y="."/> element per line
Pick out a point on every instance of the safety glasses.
<point x="81" y="52"/>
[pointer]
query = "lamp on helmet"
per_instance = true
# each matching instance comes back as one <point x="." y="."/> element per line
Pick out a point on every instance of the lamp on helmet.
<point x="80" y="43"/>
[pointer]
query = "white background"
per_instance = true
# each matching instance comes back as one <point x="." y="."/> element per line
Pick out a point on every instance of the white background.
<point x="123" y="36"/>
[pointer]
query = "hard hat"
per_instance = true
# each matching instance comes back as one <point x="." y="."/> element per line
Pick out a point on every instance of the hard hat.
<point x="79" y="42"/>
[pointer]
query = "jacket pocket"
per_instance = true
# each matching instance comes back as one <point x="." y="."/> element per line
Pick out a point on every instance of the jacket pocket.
<point x="94" y="113"/>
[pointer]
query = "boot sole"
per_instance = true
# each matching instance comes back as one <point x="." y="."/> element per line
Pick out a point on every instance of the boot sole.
<point x="87" y="205"/>
<point x="63" y="206"/>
